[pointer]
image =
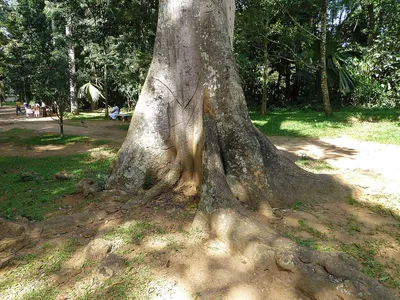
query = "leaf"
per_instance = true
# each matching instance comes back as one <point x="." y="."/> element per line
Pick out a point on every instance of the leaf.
<point x="384" y="278"/>
<point x="90" y="91"/>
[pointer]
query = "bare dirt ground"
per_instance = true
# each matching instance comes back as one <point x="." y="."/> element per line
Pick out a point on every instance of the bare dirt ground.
<point x="172" y="260"/>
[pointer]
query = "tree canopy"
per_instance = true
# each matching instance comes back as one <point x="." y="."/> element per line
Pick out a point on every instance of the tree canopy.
<point x="276" y="45"/>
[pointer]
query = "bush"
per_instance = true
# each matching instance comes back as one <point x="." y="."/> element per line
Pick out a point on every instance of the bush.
<point x="372" y="94"/>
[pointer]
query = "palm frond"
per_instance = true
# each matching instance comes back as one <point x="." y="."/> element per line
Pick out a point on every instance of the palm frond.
<point x="90" y="91"/>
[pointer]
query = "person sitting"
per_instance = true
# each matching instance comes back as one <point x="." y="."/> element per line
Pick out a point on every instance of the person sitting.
<point x="114" y="112"/>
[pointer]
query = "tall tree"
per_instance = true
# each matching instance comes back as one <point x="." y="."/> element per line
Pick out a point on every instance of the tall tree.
<point x="324" y="74"/>
<point x="72" y="66"/>
<point x="191" y="132"/>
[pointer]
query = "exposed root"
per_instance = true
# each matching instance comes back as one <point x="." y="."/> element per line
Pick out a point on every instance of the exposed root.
<point x="317" y="275"/>
<point x="163" y="185"/>
<point x="290" y="183"/>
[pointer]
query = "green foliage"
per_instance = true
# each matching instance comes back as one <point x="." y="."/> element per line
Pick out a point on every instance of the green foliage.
<point x="371" y="93"/>
<point x="91" y="92"/>
<point x="113" y="43"/>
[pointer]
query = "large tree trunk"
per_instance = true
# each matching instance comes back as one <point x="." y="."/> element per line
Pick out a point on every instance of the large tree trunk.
<point x="324" y="75"/>
<point x="191" y="132"/>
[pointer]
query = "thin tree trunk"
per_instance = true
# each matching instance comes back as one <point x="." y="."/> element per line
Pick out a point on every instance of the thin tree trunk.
<point x="61" y="126"/>
<point x="278" y="84"/>
<point x="265" y="91"/>
<point x="265" y="70"/>
<point x="324" y="75"/>
<point x="107" y="114"/>
<point x="371" y="23"/>
<point x="72" y="68"/>
<point x="287" y="80"/>
<point x="191" y="132"/>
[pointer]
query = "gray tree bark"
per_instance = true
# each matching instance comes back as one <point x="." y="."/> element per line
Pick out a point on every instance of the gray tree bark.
<point x="107" y="113"/>
<point x="72" y="68"/>
<point x="191" y="132"/>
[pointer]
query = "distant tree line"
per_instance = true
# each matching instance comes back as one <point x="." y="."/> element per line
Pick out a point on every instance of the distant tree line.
<point x="48" y="49"/>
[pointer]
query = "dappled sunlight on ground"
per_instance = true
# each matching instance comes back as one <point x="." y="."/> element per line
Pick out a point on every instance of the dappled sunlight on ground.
<point x="101" y="248"/>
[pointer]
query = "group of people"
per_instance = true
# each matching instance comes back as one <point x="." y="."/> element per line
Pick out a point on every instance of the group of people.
<point x="29" y="110"/>
<point x="35" y="110"/>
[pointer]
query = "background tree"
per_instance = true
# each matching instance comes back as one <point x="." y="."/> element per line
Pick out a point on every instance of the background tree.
<point x="276" y="47"/>
<point x="324" y="74"/>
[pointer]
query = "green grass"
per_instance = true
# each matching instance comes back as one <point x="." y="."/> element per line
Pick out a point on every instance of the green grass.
<point x="8" y="104"/>
<point x="375" y="125"/>
<point x="133" y="232"/>
<point x="37" y="267"/>
<point x="23" y="137"/>
<point x="86" y="116"/>
<point x="352" y="226"/>
<point x="308" y="243"/>
<point x="365" y="254"/>
<point x="297" y="205"/>
<point x="132" y="283"/>
<point x="123" y="127"/>
<point x="27" y="186"/>
<point x="101" y="142"/>
<point x="314" y="232"/>
<point x="311" y="164"/>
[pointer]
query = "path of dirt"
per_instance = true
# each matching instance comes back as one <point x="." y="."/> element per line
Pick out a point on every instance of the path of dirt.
<point x="183" y="264"/>
<point x="95" y="129"/>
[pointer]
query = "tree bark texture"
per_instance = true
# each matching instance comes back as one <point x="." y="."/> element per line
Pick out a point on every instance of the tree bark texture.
<point x="107" y="113"/>
<point x="191" y="132"/>
<point x="324" y="75"/>
<point x="265" y="69"/>
<point x="193" y="83"/>
<point x="371" y="23"/>
<point x="72" y="67"/>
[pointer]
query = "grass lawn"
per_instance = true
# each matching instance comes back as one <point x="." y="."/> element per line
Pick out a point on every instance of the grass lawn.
<point x="28" y="187"/>
<point x="375" y="125"/>
<point x="27" y="184"/>
<point x="86" y="116"/>
<point x="8" y="104"/>
<point x="24" y="137"/>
